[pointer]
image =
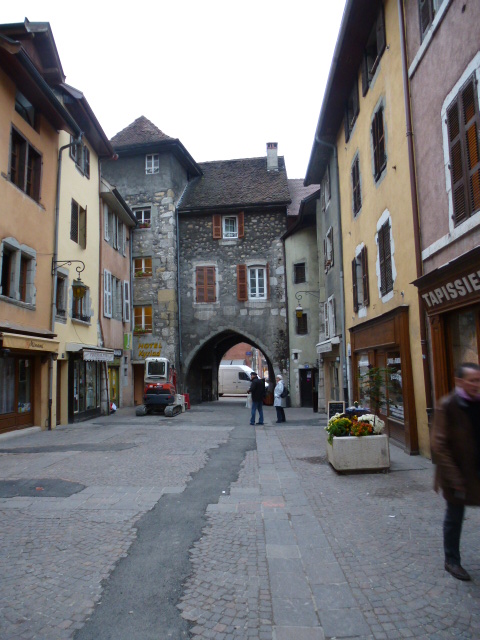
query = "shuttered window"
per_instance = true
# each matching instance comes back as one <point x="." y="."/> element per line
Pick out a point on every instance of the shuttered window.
<point x="107" y="293"/>
<point x="352" y="110"/>
<point x="205" y="283"/>
<point x="427" y="11"/>
<point x="231" y="226"/>
<point x="360" y="287"/>
<point x="378" y="141"/>
<point x="385" y="258"/>
<point x="373" y="51"/>
<point x="126" y="301"/>
<point x="463" y="126"/>
<point x="356" y="191"/>
<point x="242" y="289"/>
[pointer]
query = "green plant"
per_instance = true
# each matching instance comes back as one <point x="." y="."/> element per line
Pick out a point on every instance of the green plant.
<point x="338" y="426"/>
<point x="376" y="387"/>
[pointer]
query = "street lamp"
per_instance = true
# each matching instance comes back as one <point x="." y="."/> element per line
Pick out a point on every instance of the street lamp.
<point x="79" y="288"/>
<point x="298" y="296"/>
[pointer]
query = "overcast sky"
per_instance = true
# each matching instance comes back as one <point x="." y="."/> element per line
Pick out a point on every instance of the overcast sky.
<point x="224" y="77"/>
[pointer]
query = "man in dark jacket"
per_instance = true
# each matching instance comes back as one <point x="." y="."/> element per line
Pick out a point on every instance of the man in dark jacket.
<point x="456" y="445"/>
<point x="257" y="391"/>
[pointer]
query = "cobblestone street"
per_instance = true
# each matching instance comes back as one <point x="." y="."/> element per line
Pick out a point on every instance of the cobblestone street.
<point x="291" y="551"/>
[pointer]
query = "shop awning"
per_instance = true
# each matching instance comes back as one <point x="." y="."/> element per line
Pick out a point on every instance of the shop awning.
<point x="91" y="353"/>
<point x="28" y="343"/>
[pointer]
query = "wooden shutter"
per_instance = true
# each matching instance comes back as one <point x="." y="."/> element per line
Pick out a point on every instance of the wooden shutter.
<point x="217" y="226"/>
<point x="366" y="288"/>
<point x="86" y="161"/>
<point x="386" y="278"/>
<point x="241" y="224"/>
<point x="242" y="286"/>
<point x="126" y="301"/>
<point x="472" y="125"/>
<point x="325" y="319"/>
<point x="267" y="280"/>
<point x="378" y="140"/>
<point x="381" y="38"/>
<point x="205" y="284"/>
<point x="332" y="319"/>
<point x="74" y="222"/>
<point x="107" y="293"/>
<point x="354" y="285"/>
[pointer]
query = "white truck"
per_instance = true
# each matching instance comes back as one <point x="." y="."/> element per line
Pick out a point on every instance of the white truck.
<point x="233" y="379"/>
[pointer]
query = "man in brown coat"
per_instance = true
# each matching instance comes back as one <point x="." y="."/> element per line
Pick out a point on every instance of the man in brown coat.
<point x="456" y="445"/>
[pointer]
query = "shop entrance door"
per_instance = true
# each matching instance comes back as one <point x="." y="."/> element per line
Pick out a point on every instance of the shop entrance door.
<point x="113" y="386"/>
<point x="306" y="387"/>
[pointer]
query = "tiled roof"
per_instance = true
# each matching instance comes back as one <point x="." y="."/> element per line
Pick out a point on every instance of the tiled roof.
<point x="298" y="192"/>
<point x="141" y="131"/>
<point x="231" y="183"/>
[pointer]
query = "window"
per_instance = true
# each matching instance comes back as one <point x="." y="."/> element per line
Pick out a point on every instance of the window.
<point x="299" y="273"/>
<point x="325" y="189"/>
<point x="428" y="10"/>
<point x="81" y="308"/>
<point x="328" y="250"/>
<point x="25" y="165"/>
<point x="352" y="110"/>
<point x="17" y="271"/>
<point x="257" y="289"/>
<point x="152" y="163"/>
<point x="329" y="317"/>
<point x="378" y="142"/>
<point x="107" y="293"/>
<point x="143" y="217"/>
<point x="78" y="225"/>
<point x="142" y="267"/>
<point x="80" y="154"/>
<point x="25" y="108"/>
<point x="302" y="324"/>
<point x="205" y="284"/>
<point x="361" y="296"/>
<point x="356" y="189"/>
<point x="463" y="125"/>
<point x="143" y="320"/>
<point x="228" y="227"/>
<point x="385" y="259"/>
<point x="61" y="296"/>
<point x="373" y="51"/>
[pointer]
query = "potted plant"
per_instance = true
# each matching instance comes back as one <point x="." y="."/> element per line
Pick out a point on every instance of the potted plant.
<point x="357" y="443"/>
<point x="139" y="330"/>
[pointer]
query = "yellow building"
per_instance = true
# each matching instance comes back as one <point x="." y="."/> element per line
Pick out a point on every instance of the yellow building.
<point x="364" y="116"/>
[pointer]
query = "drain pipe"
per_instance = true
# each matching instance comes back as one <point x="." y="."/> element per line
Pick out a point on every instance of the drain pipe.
<point x="416" y="216"/>
<point x="77" y="142"/>
<point x="180" y="377"/>
<point x="343" y="352"/>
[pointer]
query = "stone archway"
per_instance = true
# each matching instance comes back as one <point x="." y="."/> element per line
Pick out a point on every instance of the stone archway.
<point x="200" y="371"/>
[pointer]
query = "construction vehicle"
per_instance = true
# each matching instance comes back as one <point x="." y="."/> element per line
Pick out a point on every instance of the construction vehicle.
<point x="160" y="390"/>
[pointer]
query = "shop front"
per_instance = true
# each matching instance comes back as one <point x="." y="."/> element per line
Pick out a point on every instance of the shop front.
<point x="385" y="343"/>
<point x="451" y="298"/>
<point x="24" y="379"/>
<point x="87" y="381"/>
<point x="328" y="353"/>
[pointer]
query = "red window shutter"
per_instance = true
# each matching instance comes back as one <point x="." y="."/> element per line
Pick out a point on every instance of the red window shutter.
<point x="241" y="225"/>
<point x="267" y="279"/>
<point x="472" y="126"/>
<point x="217" y="226"/>
<point x="354" y="285"/>
<point x="242" y="290"/>
<point x="200" y="284"/>
<point x="211" y="284"/>
<point x="459" y="195"/>
<point x="366" y="289"/>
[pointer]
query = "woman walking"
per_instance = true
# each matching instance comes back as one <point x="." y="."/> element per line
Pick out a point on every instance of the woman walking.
<point x="279" y="403"/>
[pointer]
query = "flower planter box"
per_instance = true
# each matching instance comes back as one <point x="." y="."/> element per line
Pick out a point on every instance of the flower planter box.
<point x="367" y="453"/>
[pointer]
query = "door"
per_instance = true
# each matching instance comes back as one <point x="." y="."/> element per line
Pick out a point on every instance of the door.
<point x="113" y="385"/>
<point x="306" y="387"/>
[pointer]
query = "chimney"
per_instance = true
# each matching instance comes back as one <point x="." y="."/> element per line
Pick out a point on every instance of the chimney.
<point x="272" y="156"/>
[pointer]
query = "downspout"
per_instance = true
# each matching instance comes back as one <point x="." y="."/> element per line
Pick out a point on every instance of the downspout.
<point x="54" y="271"/>
<point x="343" y="352"/>
<point x="180" y="375"/>
<point x="416" y="217"/>
<point x="100" y="288"/>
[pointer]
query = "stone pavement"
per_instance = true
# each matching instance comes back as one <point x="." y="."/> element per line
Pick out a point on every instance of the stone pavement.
<point x="293" y="551"/>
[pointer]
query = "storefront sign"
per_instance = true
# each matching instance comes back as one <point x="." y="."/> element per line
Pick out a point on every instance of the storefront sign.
<point x="118" y="353"/>
<point x="324" y="347"/>
<point x="149" y="349"/>
<point x="93" y="355"/>
<point x="28" y="343"/>
<point x="456" y="288"/>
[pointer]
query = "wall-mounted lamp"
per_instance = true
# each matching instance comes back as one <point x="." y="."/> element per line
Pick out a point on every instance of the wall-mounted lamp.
<point x="79" y="288"/>
<point x="298" y="296"/>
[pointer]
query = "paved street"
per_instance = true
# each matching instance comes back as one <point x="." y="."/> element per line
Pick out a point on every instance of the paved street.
<point x="282" y="548"/>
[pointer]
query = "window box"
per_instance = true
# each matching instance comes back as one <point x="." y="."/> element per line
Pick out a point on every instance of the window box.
<point x="140" y="331"/>
<point x="144" y="225"/>
<point x="351" y="453"/>
<point x="142" y="274"/>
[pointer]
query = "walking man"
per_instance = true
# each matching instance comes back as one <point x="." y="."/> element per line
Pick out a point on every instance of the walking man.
<point x="257" y="390"/>
<point x="456" y="445"/>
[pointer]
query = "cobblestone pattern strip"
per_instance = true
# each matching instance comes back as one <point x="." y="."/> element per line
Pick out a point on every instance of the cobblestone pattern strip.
<point x="385" y="531"/>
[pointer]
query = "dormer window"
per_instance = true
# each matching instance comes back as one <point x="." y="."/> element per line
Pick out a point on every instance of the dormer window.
<point x="152" y="164"/>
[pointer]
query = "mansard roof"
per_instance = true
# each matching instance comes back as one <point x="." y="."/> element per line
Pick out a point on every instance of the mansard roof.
<point x="140" y="132"/>
<point x="228" y="184"/>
